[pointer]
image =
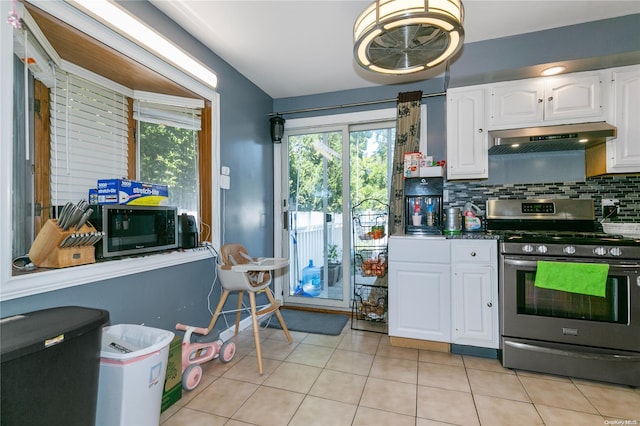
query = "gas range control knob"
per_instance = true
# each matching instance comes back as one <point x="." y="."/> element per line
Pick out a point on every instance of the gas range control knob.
<point x="527" y="248"/>
<point x="542" y="249"/>
<point x="600" y="251"/>
<point x="615" y="251"/>
<point x="569" y="250"/>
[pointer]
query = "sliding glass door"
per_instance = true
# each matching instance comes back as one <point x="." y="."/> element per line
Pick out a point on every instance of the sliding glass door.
<point x="325" y="171"/>
<point x="315" y="217"/>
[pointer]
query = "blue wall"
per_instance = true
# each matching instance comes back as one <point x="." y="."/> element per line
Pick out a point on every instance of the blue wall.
<point x="179" y="294"/>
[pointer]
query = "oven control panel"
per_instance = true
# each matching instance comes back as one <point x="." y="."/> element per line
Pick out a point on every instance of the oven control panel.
<point x="572" y="250"/>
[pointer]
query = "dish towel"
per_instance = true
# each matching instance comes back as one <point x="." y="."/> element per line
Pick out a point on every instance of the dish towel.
<point x="573" y="277"/>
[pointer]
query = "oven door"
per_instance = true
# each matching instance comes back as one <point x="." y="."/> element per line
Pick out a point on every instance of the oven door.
<point x="529" y="312"/>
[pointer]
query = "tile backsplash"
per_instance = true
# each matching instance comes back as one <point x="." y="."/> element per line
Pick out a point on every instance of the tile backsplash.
<point x="625" y="188"/>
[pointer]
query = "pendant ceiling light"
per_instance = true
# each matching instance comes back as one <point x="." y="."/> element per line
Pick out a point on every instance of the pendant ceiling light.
<point x="407" y="36"/>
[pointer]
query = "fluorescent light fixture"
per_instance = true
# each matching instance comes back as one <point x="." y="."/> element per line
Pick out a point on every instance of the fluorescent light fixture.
<point x="139" y="32"/>
<point x="584" y="140"/>
<point x="553" y="70"/>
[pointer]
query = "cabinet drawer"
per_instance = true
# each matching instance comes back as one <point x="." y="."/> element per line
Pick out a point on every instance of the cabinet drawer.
<point x="474" y="252"/>
<point x="416" y="249"/>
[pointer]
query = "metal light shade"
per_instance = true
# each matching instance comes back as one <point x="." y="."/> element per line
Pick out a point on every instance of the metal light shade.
<point x="277" y="128"/>
<point x="407" y="36"/>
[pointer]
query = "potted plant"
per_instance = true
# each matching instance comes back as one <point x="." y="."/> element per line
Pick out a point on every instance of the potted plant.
<point x="335" y="265"/>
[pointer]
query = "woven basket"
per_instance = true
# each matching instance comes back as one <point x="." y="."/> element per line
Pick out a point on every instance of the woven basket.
<point x="374" y="268"/>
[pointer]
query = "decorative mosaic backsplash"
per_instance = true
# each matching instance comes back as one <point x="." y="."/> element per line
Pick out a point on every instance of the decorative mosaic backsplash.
<point x="625" y="188"/>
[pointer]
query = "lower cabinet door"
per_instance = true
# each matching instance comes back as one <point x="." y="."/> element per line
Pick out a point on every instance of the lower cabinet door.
<point x="475" y="306"/>
<point x="420" y="301"/>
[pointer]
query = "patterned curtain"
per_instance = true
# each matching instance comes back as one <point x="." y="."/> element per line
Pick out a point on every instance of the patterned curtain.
<point x="407" y="140"/>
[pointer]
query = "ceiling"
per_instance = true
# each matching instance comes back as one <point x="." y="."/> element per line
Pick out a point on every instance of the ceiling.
<point x="295" y="48"/>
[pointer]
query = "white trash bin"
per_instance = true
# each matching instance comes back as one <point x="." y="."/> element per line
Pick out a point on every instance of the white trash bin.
<point x="133" y="365"/>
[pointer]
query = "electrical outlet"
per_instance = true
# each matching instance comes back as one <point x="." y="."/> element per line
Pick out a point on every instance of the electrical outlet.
<point x="610" y="208"/>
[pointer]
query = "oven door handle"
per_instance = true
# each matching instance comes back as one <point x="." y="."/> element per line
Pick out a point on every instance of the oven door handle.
<point x="520" y="262"/>
<point x="582" y="355"/>
<point x="533" y="263"/>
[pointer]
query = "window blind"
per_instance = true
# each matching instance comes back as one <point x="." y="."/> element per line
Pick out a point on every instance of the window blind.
<point x="170" y="115"/>
<point x="88" y="137"/>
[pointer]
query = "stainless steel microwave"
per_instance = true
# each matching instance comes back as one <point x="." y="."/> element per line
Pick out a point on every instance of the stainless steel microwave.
<point x="131" y="230"/>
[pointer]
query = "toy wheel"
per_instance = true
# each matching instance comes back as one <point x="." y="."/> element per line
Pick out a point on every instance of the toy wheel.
<point x="191" y="377"/>
<point x="227" y="351"/>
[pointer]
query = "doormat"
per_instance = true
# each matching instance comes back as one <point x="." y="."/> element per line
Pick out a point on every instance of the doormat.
<point x="309" y="322"/>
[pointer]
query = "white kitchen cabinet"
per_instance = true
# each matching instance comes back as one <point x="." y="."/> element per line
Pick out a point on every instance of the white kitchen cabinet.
<point x="467" y="140"/>
<point x="621" y="154"/>
<point x="515" y="103"/>
<point x="420" y="288"/>
<point x="474" y="293"/>
<point x="571" y="98"/>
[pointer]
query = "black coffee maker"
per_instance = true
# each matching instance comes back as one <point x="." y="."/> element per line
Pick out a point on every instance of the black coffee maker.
<point x="187" y="231"/>
<point x="423" y="205"/>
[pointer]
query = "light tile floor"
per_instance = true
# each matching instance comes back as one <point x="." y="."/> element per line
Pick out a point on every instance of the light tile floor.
<point x="358" y="378"/>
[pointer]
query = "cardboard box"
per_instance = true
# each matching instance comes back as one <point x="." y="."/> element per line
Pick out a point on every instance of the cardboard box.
<point x="412" y="164"/>
<point x="93" y="196"/>
<point x="172" y="391"/>
<point x="124" y="191"/>
<point x="435" y="171"/>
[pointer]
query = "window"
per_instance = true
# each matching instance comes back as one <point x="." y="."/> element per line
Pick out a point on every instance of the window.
<point x="28" y="187"/>
<point x="168" y="149"/>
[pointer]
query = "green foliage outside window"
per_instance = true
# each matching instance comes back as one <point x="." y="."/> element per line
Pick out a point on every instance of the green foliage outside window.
<point x="311" y="155"/>
<point x="168" y="155"/>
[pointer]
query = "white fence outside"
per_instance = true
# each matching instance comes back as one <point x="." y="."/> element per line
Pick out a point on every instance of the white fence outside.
<point x="307" y="242"/>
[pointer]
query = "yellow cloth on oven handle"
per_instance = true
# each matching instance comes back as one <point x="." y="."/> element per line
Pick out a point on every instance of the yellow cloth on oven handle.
<point x="573" y="277"/>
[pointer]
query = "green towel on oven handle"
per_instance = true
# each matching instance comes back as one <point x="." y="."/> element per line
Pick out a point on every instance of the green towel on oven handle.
<point x="573" y="277"/>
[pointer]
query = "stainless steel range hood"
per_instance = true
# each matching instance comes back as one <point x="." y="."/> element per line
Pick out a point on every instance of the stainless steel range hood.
<point x="565" y="137"/>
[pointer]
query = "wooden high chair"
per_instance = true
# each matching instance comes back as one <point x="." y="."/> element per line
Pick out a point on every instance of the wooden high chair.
<point x="239" y="272"/>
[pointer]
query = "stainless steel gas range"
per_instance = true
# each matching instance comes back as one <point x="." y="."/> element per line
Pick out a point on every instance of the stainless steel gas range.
<point x="552" y="321"/>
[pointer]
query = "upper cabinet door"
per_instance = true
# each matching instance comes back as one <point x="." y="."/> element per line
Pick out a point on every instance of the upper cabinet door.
<point x="518" y="103"/>
<point x="467" y="142"/>
<point x="623" y="152"/>
<point x="573" y="97"/>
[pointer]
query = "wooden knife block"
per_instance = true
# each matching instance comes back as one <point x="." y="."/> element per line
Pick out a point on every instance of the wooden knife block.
<point x="46" y="253"/>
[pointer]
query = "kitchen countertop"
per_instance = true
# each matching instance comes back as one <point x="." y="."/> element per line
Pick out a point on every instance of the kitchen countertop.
<point x="461" y="236"/>
<point x="473" y="236"/>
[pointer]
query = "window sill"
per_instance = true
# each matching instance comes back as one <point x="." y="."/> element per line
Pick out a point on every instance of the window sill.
<point x="56" y="279"/>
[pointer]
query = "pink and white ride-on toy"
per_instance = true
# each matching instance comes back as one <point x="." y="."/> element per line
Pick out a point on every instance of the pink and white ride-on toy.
<point x="196" y="353"/>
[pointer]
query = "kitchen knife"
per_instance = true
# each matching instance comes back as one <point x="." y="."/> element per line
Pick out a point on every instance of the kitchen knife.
<point x="83" y="219"/>
<point x="65" y="242"/>
<point x="69" y="241"/>
<point x="63" y="216"/>
<point x="74" y="218"/>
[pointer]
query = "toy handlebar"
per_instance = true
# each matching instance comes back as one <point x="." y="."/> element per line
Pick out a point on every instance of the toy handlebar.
<point x="199" y="330"/>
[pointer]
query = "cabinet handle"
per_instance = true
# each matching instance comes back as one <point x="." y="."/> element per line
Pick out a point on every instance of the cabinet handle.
<point x="540" y="100"/>
<point x="480" y="130"/>
<point x="473" y="254"/>
<point x="489" y="304"/>
<point x="550" y="98"/>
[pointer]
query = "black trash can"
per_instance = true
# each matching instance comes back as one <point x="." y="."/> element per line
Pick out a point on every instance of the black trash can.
<point x="50" y="363"/>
